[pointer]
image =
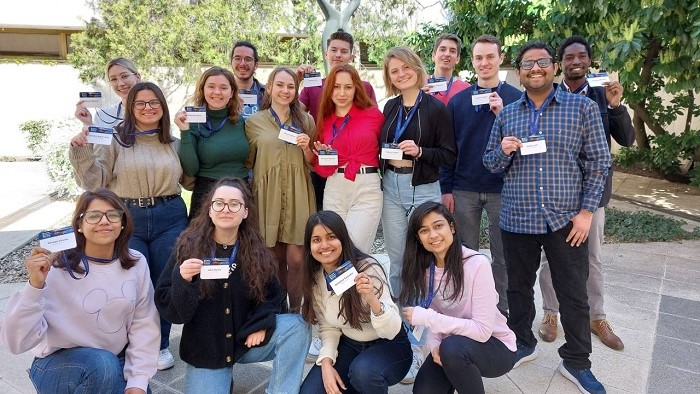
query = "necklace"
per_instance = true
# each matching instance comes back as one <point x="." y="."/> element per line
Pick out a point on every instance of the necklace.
<point x="226" y="244"/>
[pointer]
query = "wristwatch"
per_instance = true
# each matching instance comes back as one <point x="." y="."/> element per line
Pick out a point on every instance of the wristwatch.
<point x="381" y="310"/>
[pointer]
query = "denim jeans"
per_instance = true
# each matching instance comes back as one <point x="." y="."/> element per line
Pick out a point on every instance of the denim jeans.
<point x="155" y="230"/>
<point x="79" y="370"/>
<point x="400" y="198"/>
<point x="464" y="362"/>
<point x="366" y="367"/>
<point x="569" y="267"/>
<point x="287" y="348"/>
<point x="468" y="211"/>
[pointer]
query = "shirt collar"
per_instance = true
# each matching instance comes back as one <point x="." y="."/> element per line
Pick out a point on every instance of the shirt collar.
<point x="566" y="88"/>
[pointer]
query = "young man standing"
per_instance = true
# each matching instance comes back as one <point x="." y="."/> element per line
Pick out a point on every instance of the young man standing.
<point x="468" y="188"/>
<point x="244" y="62"/>
<point x="575" y="57"/>
<point x="550" y="145"/>
<point x="445" y="57"/>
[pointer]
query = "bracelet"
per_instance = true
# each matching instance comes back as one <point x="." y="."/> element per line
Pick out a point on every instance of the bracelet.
<point x="382" y="309"/>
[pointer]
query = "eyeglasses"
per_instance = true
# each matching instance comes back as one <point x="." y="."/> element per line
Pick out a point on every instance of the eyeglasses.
<point x="155" y="104"/>
<point x="243" y="59"/>
<point x="529" y="64"/>
<point x="233" y="206"/>
<point x="94" y="217"/>
<point x="122" y="77"/>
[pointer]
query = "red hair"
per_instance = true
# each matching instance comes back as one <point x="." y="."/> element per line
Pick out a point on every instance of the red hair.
<point x="326" y="107"/>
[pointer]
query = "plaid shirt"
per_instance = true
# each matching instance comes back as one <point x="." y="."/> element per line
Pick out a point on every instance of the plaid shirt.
<point x="542" y="192"/>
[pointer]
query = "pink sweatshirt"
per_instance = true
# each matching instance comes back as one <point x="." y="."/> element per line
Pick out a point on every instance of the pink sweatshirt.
<point x="108" y="309"/>
<point x="474" y="315"/>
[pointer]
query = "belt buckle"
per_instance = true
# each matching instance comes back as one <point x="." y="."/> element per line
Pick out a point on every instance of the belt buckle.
<point x="145" y="202"/>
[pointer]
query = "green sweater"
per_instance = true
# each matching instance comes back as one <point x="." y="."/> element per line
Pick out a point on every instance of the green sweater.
<point x="223" y="153"/>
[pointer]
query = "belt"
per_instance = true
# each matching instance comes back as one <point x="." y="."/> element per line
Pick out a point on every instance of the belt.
<point x="400" y="170"/>
<point x="363" y="170"/>
<point x="145" y="202"/>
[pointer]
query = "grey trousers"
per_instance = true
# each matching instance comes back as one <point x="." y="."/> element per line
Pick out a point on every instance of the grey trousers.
<point x="594" y="285"/>
<point x="468" y="210"/>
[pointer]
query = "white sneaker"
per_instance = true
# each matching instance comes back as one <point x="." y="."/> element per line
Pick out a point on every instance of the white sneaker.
<point x="314" y="350"/>
<point x="415" y="366"/>
<point x="165" y="360"/>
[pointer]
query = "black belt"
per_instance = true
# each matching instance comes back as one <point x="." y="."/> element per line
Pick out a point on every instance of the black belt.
<point x="363" y="170"/>
<point x="400" y="170"/>
<point x="145" y="202"/>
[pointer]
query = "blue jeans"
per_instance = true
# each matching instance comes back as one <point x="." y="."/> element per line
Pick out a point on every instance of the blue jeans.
<point x="400" y="198"/>
<point x="155" y="230"/>
<point x="79" y="370"/>
<point x="287" y="348"/>
<point x="366" y="367"/>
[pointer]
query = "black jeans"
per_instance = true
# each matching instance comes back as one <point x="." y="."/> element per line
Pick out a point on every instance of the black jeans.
<point x="366" y="367"/>
<point x="319" y="184"/>
<point x="464" y="362"/>
<point x="569" y="267"/>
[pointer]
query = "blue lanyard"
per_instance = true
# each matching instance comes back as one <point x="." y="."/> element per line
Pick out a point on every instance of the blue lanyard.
<point x="277" y="118"/>
<point x="431" y="293"/>
<point x="402" y="124"/>
<point x="86" y="262"/>
<point x="337" y="131"/>
<point x="449" y="86"/>
<point x="232" y="259"/>
<point x="115" y="118"/>
<point x="535" y="114"/>
<point x="210" y="130"/>
<point x="146" y="132"/>
<point x="255" y="90"/>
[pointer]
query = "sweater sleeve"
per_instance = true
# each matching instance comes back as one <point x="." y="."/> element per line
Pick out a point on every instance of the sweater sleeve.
<point x="447" y="171"/>
<point x="93" y="166"/>
<point x="329" y="334"/>
<point x="444" y="152"/>
<point x="621" y="128"/>
<point x="24" y="325"/>
<point x="188" y="153"/>
<point x="175" y="298"/>
<point x="388" y="324"/>
<point x="263" y="316"/>
<point x="144" y="335"/>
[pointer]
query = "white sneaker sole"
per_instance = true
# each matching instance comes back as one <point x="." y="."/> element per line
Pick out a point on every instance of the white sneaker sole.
<point x="525" y="359"/>
<point x="571" y="377"/>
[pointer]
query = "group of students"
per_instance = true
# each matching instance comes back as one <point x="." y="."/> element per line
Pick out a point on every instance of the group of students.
<point x="95" y="320"/>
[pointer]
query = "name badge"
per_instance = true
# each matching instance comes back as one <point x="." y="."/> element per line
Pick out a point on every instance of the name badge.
<point x="328" y="157"/>
<point x="391" y="151"/>
<point x="196" y="114"/>
<point x="91" y="99"/>
<point x="312" y="79"/>
<point x="437" y="84"/>
<point x="597" y="79"/>
<point x="216" y="268"/>
<point x="480" y="96"/>
<point x="289" y="134"/>
<point x="57" y="240"/>
<point x="342" y="278"/>
<point x="249" y="99"/>
<point x="533" y="147"/>
<point x="99" y="135"/>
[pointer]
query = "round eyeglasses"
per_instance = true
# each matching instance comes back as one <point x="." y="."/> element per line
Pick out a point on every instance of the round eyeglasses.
<point x="94" y="217"/>
<point x="233" y="206"/>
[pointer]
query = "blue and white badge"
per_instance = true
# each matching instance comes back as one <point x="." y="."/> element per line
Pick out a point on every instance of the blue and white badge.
<point x="481" y="96"/>
<point x="533" y="145"/>
<point x="597" y="79"/>
<point x="248" y="96"/>
<point x="391" y="151"/>
<point x="196" y="114"/>
<point x="312" y="79"/>
<point x="58" y="239"/>
<point x="91" y="99"/>
<point x="214" y="268"/>
<point x="437" y="84"/>
<point x="289" y="134"/>
<point x="342" y="278"/>
<point x="100" y="135"/>
<point x="328" y="157"/>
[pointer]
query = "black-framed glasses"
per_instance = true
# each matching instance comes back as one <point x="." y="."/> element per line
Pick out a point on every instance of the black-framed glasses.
<point x="94" y="217"/>
<point x="542" y="62"/>
<point x="233" y="206"/>
<point x="155" y="104"/>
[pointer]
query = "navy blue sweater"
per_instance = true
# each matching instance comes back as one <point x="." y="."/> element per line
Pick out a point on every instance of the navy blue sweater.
<point x="472" y="130"/>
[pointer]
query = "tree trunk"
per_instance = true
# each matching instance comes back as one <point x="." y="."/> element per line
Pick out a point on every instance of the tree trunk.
<point x="640" y="131"/>
<point x="691" y="109"/>
<point x="641" y="114"/>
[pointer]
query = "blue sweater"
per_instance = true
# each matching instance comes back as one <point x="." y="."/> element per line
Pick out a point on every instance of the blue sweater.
<point x="472" y="130"/>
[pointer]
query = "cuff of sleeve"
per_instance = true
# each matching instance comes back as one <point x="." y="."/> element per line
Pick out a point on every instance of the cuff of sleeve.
<point x="420" y="316"/>
<point x="590" y="204"/>
<point x="31" y="294"/>
<point x="327" y="352"/>
<point x="617" y="111"/>
<point x="81" y="152"/>
<point x="138" y="381"/>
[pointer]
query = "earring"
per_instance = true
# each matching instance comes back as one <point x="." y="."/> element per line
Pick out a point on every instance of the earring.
<point x="122" y="227"/>
<point x="80" y="230"/>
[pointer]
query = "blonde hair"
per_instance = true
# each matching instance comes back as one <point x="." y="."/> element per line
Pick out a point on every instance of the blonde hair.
<point x="406" y="55"/>
<point x="123" y="62"/>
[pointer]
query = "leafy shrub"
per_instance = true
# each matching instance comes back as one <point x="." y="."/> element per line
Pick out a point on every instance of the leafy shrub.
<point x="644" y="226"/>
<point x="626" y="157"/>
<point x="55" y="157"/>
<point x="35" y="133"/>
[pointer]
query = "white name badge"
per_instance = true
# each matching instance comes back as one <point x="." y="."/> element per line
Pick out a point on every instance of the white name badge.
<point x="214" y="269"/>
<point x="196" y="114"/>
<point x="342" y="278"/>
<point x="437" y="85"/>
<point x="312" y="79"/>
<point x="533" y="147"/>
<point x="91" y="99"/>
<point x="597" y="79"/>
<point x="57" y="240"/>
<point x="391" y="152"/>
<point x="249" y="99"/>
<point x="481" y="96"/>
<point x="289" y="134"/>
<point x="99" y="135"/>
<point x="328" y="157"/>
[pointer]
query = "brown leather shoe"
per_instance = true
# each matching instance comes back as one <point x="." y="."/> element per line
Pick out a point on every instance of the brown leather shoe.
<point x="548" y="328"/>
<point x="604" y="331"/>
